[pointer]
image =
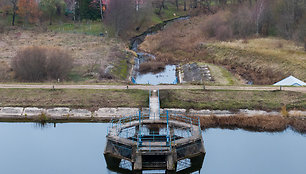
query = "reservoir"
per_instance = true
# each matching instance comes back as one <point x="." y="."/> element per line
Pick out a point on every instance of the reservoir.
<point x="78" y="148"/>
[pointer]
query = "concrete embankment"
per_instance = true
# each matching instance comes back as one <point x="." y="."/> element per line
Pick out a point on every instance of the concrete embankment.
<point x="106" y="114"/>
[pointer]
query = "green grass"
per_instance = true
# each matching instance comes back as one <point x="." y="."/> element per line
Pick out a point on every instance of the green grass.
<point x="73" y="98"/>
<point x="91" y="28"/>
<point x="121" y="70"/>
<point x="232" y="100"/>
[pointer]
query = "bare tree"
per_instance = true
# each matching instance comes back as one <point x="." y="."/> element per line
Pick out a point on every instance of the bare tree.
<point x="14" y="8"/>
<point x="120" y="15"/>
<point x="259" y="8"/>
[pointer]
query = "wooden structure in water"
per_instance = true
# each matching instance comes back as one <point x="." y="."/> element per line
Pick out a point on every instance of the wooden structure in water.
<point x="155" y="141"/>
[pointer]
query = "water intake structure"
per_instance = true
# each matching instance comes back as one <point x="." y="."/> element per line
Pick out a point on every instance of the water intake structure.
<point x="155" y="141"/>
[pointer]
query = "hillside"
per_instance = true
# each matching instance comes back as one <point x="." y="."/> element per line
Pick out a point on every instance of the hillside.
<point x="91" y="53"/>
<point x="257" y="60"/>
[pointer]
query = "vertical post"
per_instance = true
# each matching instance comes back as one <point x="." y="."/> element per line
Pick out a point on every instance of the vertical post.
<point x="158" y="103"/>
<point x="167" y="127"/>
<point x="149" y="102"/>
<point x="139" y="132"/>
<point x="199" y="125"/>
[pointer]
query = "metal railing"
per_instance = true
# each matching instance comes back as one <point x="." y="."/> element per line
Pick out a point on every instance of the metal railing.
<point x="143" y="138"/>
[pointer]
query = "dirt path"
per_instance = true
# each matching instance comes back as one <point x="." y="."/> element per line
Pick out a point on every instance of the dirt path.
<point x="147" y="87"/>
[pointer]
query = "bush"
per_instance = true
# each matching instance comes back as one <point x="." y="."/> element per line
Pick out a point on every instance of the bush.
<point x="38" y="64"/>
<point x="4" y="72"/>
<point x="58" y="64"/>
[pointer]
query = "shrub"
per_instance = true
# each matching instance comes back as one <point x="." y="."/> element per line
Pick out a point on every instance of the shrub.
<point x="224" y="33"/>
<point x="212" y="23"/>
<point x="4" y="71"/>
<point x="29" y="64"/>
<point x="58" y="64"/>
<point x="38" y="64"/>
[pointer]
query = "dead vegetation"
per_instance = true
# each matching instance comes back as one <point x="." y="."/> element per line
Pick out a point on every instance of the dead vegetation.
<point x="260" y="61"/>
<point x="88" y="51"/>
<point x="40" y="63"/>
<point x="254" y="123"/>
<point x="73" y="98"/>
<point x="151" y="66"/>
<point x="232" y="100"/>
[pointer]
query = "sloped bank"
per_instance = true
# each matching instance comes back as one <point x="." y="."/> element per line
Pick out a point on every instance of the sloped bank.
<point x="254" y="120"/>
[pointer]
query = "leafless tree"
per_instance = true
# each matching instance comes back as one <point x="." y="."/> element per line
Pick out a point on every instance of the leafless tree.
<point x="14" y="8"/>
<point x="120" y="15"/>
<point x="259" y="8"/>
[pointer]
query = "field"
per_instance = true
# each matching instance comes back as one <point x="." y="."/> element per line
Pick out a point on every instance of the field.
<point x="232" y="100"/>
<point x="73" y="98"/>
<point x="90" y="52"/>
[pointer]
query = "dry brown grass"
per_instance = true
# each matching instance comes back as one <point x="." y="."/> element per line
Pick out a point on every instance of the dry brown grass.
<point x="261" y="60"/>
<point x="5" y="72"/>
<point x="298" y="124"/>
<point x="86" y="49"/>
<point x="73" y="98"/>
<point x="255" y="123"/>
<point x="152" y="66"/>
<point x="232" y="100"/>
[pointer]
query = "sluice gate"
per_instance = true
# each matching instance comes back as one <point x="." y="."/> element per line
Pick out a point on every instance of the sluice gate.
<point x="155" y="141"/>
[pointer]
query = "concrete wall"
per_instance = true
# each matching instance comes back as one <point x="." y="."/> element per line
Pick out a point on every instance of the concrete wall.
<point x="109" y="113"/>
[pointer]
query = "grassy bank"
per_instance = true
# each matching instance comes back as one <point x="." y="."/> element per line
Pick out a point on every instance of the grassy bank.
<point x="255" y="123"/>
<point x="232" y="100"/>
<point x="73" y="98"/>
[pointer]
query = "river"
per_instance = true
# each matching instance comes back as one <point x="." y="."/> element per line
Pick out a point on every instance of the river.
<point x="78" y="148"/>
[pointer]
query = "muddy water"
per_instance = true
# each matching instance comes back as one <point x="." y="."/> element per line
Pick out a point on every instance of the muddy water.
<point x="78" y="148"/>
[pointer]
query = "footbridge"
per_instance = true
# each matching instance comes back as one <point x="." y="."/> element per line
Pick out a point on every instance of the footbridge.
<point x="155" y="141"/>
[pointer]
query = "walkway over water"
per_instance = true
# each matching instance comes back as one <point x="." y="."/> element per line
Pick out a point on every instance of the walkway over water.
<point x="154" y="104"/>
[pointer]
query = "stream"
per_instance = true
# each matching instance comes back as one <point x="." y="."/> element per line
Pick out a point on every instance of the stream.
<point x="78" y="148"/>
<point x="168" y="76"/>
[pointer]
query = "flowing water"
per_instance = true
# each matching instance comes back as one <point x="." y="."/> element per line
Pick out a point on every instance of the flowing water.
<point x="78" y="148"/>
<point x="168" y="76"/>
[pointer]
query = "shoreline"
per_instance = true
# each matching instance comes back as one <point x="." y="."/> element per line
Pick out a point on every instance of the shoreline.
<point x="252" y="120"/>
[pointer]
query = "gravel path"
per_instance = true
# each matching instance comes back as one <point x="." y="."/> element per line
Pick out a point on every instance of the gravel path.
<point x="147" y="87"/>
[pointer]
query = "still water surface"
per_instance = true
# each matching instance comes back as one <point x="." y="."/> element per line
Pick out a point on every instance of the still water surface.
<point x="77" y="148"/>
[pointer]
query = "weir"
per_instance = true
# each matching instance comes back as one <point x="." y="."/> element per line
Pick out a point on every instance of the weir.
<point x="155" y="141"/>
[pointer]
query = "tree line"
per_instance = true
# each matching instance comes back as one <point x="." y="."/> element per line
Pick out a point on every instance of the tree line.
<point x="285" y="18"/>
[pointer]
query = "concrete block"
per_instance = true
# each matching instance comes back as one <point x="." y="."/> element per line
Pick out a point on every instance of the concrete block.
<point x="251" y="113"/>
<point x="174" y="111"/>
<point x="11" y="111"/>
<point x="297" y="113"/>
<point x="58" y="112"/>
<point x="115" y="112"/>
<point x="221" y="113"/>
<point x="80" y="113"/>
<point x="200" y="112"/>
<point x="33" y="111"/>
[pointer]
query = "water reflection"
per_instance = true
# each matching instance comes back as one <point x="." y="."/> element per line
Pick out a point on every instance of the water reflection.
<point x="44" y="125"/>
<point x="168" y="76"/>
<point x="78" y="148"/>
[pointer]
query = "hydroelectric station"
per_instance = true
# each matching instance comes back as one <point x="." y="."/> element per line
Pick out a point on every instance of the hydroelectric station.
<point x="152" y="140"/>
